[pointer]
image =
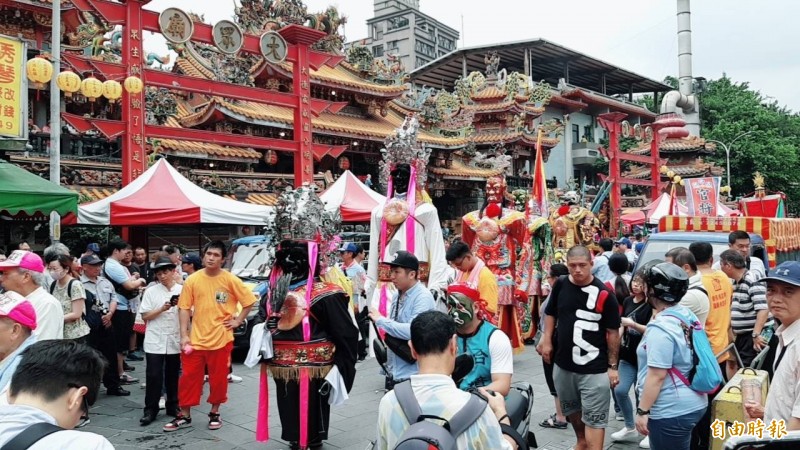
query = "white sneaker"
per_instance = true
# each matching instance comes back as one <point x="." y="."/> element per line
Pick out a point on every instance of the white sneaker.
<point x="645" y="443"/>
<point x="625" y="435"/>
<point x="162" y="403"/>
<point x="234" y="378"/>
<point x="619" y="417"/>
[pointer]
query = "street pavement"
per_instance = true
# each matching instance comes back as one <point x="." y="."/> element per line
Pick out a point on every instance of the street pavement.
<point x="352" y="425"/>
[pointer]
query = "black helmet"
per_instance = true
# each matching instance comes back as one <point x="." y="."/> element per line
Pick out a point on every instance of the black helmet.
<point x="667" y="282"/>
<point x="644" y="270"/>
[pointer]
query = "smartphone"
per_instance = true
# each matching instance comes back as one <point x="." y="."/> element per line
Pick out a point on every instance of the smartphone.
<point x="174" y="299"/>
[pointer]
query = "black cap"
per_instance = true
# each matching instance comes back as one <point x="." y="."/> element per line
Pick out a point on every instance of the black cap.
<point x="91" y="260"/>
<point x="162" y="262"/>
<point x="192" y="258"/>
<point x="404" y="259"/>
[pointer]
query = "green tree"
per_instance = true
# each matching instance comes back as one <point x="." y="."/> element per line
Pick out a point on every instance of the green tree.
<point x="729" y="109"/>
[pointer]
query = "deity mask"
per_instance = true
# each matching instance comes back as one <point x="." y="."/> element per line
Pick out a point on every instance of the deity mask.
<point x="495" y="190"/>
<point x="401" y="175"/>
<point x="395" y="212"/>
<point x="460" y="307"/>
<point x="292" y="258"/>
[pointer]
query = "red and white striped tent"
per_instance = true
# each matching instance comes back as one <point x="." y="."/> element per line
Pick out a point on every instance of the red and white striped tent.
<point x="352" y="198"/>
<point x="162" y="196"/>
<point x="653" y="212"/>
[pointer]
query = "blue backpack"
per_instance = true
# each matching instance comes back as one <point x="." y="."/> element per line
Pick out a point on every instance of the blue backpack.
<point x="705" y="375"/>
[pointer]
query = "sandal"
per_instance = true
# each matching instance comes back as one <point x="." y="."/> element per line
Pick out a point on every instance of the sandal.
<point x="177" y="423"/>
<point x="214" y="423"/>
<point x="551" y="422"/>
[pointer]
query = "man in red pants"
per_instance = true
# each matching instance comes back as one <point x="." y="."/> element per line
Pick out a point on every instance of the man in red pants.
<point x="213" y="294"/>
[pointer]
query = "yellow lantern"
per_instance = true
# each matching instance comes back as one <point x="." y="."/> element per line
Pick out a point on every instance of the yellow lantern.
<point x="670" y="174"/>
<point x="91" y="88"/>
<point x="133" y="85"/>
<point x="39" y="70"/>
<point x="69" y="83"/>
<point x="112" y="90"/>
<point x="664" y="170"/>
<point x="677" y="179"/>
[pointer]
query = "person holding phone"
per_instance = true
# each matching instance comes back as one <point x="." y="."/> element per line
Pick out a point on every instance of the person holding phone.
<point x="161" y="340"/>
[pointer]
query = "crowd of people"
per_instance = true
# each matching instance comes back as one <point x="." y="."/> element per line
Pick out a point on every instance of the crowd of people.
<point x="604" y="331"/>
<point x="86" y="309"/>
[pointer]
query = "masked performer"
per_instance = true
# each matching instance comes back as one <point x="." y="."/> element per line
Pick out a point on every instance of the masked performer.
<point x="313" y="334"/>
<point x="407" y="221"/>
<point x="497" y="235"/>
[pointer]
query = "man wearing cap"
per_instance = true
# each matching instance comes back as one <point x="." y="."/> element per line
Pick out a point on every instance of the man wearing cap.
<point x="102" y="338"/>
<point x="17" y="322"/>
<point x="190" y="263"/>
<point x="783" y="296"/>
<point x="358" y="276"/>
<point x="624" y="246"/>
<point x="161" y="340"/>
<point x="412" y="299"/>
<point x="23" y="273"/>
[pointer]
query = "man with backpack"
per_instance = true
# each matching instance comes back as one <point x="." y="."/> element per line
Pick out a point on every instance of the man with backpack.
<point x="696" y="298"/>
<point x="600" y="267"/>
<point x="434" y="399"/>
<point x="101" y="303"/>
<point x="126" y="288"/>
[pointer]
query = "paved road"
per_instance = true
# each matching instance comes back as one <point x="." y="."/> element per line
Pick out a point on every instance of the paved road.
<point x="352" y="426"/>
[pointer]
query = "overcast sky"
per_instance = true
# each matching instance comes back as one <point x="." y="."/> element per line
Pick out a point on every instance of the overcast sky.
<point x="750" y="41"/>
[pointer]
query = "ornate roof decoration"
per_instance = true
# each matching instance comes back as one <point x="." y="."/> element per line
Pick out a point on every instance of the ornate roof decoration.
<point x="459" y="169"/>
<point x="159" y="103"/>
<point x="689" y="144"/>
<point x="492" y="61"/>
<point x="389" y="70"/>
<point x="258" y="16"/>
<point x="402" y="148"/>
<point x="697" y="168"/>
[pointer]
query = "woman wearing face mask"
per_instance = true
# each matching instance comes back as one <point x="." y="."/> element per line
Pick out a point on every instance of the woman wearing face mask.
<point x="668" y="409"/>
<point x="70" y="293"/>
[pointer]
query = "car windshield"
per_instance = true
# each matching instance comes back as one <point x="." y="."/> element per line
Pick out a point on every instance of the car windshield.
<point x="251" y="261"/>
<point x="657" y="249"/>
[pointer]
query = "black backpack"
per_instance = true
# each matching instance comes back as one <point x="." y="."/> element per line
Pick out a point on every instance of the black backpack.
<point x="90" y="315"/>
<point x="423" y="434"/>
<point x="119" y="288"/>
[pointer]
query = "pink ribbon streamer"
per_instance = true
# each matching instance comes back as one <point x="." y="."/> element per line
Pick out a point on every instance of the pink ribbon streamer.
<point x="411" y="227"/>
<point x="384" y="298"/>
<point x="262" y="424"/>
<point x="313" y="250"/>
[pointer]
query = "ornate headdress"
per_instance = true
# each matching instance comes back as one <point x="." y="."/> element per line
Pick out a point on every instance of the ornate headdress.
<point x="402" y="148"/>
<point x="301" y="216"/>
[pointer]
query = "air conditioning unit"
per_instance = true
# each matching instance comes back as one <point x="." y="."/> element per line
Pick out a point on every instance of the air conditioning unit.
<point x="585" y="154"/>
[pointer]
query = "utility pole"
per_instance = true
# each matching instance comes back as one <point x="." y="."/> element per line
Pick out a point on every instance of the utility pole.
<point x="55" y="116"/>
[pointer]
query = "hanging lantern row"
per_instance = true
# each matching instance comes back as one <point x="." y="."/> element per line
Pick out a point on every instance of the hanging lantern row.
<point x="40" y="71"/>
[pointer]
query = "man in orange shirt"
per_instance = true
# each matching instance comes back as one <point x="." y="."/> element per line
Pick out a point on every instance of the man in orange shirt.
<point x="209" y="302"/>
<point x="472" y="271"/>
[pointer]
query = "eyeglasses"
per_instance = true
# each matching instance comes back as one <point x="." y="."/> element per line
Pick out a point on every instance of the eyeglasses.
<point x="84" y="419"/>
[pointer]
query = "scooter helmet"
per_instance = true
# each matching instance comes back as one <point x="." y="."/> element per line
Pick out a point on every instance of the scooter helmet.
<point x="667" y="282"/>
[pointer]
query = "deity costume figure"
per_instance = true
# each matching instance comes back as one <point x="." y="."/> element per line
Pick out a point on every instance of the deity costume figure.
<point x="314" y="337"/>
<point x="496" y="235"/>
<point x="407" y="221"/>
<point x="572" y="224"/>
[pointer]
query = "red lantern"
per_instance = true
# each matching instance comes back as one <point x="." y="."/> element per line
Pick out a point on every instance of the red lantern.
<point x="271" y="157"/>
<point x="344" y="163"/>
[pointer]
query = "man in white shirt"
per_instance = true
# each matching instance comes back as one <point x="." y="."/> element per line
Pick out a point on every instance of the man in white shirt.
<point x="161" y="340"/>
<point x="23" y="273"/>
<point x="783" y="297"/>
<point x="740" y="241"/>
<point x="696" y="298"/>
<point x="53" y="387"/>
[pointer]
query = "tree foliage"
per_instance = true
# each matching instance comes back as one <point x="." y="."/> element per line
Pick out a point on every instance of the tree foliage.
<point x="729" y="109"/>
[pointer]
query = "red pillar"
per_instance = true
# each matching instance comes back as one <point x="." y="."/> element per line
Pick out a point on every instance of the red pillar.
<point x="612" y="123"/>
<point x="134" y="156"/>
<point x="302" y="38"/>
<point x="655" y="169"/>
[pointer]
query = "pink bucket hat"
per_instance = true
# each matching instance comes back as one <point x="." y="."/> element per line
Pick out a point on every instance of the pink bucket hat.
<point x="16" y="308"/>
<point x="24" y="260"/>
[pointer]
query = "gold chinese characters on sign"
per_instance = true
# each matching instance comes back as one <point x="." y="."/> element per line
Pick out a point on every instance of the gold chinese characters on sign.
<point x="12" y="92"/>
<point x="228" y="37"/>
<point x="273" y="47"/>
<point x="176" y="26"/>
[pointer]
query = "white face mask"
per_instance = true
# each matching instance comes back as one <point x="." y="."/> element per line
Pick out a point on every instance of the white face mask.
<point x="58" y="274"/>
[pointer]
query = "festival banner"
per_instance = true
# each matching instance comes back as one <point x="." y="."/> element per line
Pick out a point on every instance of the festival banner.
<point x="702" y="196"/>
<point x="12" y="93"/>
<point x="537" y="206"/>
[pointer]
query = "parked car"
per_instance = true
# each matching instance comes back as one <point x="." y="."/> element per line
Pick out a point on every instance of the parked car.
<point x="660" y="243"/>
<point x="249" y="258"/>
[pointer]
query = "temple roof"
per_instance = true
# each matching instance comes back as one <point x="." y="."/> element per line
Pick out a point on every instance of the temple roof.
<point x="697" y="169"/>
<point x="461" y="170"/>
<point x="343" y="75"/>
<point x="617" y="105"/>
<point x="678" y="145"/>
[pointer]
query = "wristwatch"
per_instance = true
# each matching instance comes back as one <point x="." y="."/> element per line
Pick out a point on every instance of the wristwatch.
<point x="641" y="412"/>
<point x="613" y="366"/>
<point x="755" y="335"/>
